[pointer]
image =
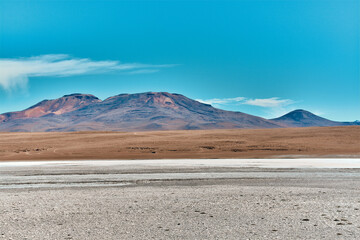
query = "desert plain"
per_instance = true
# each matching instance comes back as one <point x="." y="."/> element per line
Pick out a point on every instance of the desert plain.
<point x="299" y="183"/>
<point x="234" y="143"/>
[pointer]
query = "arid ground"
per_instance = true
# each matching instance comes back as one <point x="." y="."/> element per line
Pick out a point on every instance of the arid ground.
<point x="185" y="198"/>
<point x="235" y="143"/>
<point x="198" y="199"/>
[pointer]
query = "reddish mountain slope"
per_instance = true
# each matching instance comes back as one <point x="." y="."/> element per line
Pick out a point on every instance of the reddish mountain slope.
<point x="67" y="103"/>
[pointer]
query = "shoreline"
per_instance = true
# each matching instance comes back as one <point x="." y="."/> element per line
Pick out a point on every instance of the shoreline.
<point x="332" y="163"/>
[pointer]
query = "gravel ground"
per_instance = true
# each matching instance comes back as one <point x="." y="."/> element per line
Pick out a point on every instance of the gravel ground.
<point x="311" y="205"/>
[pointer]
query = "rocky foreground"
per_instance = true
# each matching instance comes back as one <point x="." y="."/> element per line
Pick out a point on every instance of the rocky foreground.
<point x="42" y="203"/>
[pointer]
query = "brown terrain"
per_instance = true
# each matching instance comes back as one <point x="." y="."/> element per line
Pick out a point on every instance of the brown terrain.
<point x="236" y="143"/>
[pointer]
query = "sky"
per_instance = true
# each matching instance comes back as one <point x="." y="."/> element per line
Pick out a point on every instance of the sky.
<point x="259" y="57"/>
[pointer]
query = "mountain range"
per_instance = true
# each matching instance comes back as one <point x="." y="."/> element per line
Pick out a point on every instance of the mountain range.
<point x="143" y="112"/>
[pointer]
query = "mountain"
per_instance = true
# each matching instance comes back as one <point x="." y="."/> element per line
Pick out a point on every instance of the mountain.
<point x="67" y="103"/>
<point x="128" y="112"/>
<point x="302" y="118"/>
<point x="141" y="112"/>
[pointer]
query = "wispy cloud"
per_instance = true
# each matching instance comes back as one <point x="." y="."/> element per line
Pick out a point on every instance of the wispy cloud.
<point x="269" y="102"/>
<point x="268" y="107"/>
<point x="14" y="72"/>
<point x="222" y="100"/>
<point x="264" y="102"/>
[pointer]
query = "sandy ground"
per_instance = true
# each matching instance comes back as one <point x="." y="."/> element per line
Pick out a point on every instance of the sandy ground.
<point x="190" y="199"/>
<point x="235" y="143"/>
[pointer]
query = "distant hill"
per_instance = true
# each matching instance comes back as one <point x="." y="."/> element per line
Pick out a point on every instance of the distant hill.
<point x="302" y="118"/>
<point x="142" y="112"/>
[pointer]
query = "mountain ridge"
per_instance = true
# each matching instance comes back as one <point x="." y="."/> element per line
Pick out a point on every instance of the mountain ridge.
<point x="143" y="112"/>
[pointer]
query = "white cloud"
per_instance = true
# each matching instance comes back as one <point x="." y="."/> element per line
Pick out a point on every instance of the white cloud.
<point x="222" y="100"/>
<point x="265" y="102"/>
<point x="14" y="72"/>
<point x="268" y="102"/>
<point x="269" y="107"/>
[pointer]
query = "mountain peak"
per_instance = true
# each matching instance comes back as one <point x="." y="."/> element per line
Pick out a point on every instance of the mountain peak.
<point x="303" y="118"/>
<point x="80" y="95"/>
<point x="154" y="99"/>
<point x="300" y="110"/>
<point x="67" y="103"/>
<point x="298" y="115"/>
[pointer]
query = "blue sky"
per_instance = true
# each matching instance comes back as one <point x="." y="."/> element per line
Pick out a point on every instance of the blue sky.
<point x="259" y="57"/>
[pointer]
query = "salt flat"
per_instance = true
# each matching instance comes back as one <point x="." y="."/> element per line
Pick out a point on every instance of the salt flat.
<point x="56" y="174"/>
<point x="181" y="199"/>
